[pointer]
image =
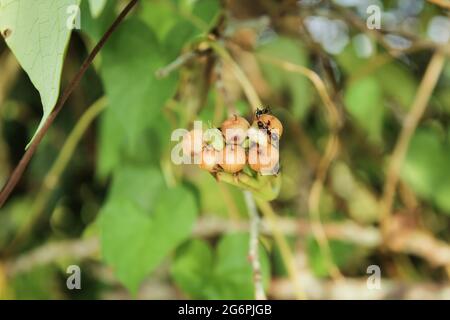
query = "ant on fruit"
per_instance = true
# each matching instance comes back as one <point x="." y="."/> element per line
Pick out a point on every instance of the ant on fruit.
<point x="265" y="125"/>
<point x="260" y="112"/>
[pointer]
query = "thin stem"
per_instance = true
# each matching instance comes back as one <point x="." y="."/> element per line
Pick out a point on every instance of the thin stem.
<point x="20" y="168"/>
<point x="176" y="64"/>
<point x="245" y="83"/>
<point x="255" y="223"/>
<point x="222" y="97"/>
<point x="52" y="178"/>
<point x="286" y="254"/>
<point x="412" y="119"/>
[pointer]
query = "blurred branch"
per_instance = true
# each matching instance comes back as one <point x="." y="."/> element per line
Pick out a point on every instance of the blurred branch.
<point x="356" y="289"/>
<point x="249" y="91"/>
<point x="176" y="64"/>
<point x="422" y="244"/>
<point x="408" y="241"/>
<point x="205" y="228"/>
<point x="409" y="126"/>
<point x="414" y="242"/>
<point x="349" y="231"/>
<point x="223" y="98"/>
<point x="157" y="287"/>
<point x="52" y="252"/>
<point x="26" y="158"/>
<point x="54" y="174"/>
<point x="254" y="246"/>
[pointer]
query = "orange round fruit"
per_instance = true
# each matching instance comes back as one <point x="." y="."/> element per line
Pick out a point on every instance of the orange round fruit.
<point x="235" y="129"/>
<point x="270" y="123"/>
<point x="233" y="158"/>
<point x="264" y="159"/>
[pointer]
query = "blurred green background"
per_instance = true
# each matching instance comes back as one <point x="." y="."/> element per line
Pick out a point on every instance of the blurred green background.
<point x="102" y="193"/>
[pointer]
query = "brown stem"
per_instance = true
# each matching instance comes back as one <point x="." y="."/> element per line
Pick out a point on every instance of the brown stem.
<point x="20" y="168"/>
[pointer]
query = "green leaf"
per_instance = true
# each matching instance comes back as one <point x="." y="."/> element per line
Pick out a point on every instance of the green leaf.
<point x="229" y="277"/>
<point x="177" y="23"/>
<point x="389" y="76"/>
<point x="36" y="284"/>
<point x="349" y="61"/>
<point x="342" y="252"/>
<point x="13" y="216"/>
<point x="96" y="26"/>
<point x="442" y="197"/>
<point x="206" y="10"/>
<point x="160" y="15"/>
<point x="426" y="167"/>
<point x="364" y="101"/>
<point x="111" y="142"/>
<point x="141" y="186"/>
<point x="142" y="222"/>
<point x="38" y="33"/>
<point x="298" y="86"/>
<point x="192" y="267"/>
<point x="136" y="96"/>
<point x="423" y="162"/>
<point x="97" y="6"/>
<point x="232" y="275"/>
<point x="193" y="20"/>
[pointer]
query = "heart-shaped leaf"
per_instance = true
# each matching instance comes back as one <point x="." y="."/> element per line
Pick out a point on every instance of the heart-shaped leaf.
<point x="136" y="95"/>
<point x="38" y="33"/>
<point x="142" y="222"/>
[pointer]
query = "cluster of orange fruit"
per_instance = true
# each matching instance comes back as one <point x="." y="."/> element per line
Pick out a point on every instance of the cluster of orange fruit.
<point x="236" y="144"/>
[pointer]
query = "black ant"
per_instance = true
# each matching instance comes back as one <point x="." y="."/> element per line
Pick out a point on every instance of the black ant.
<point x="260" y="112"/>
